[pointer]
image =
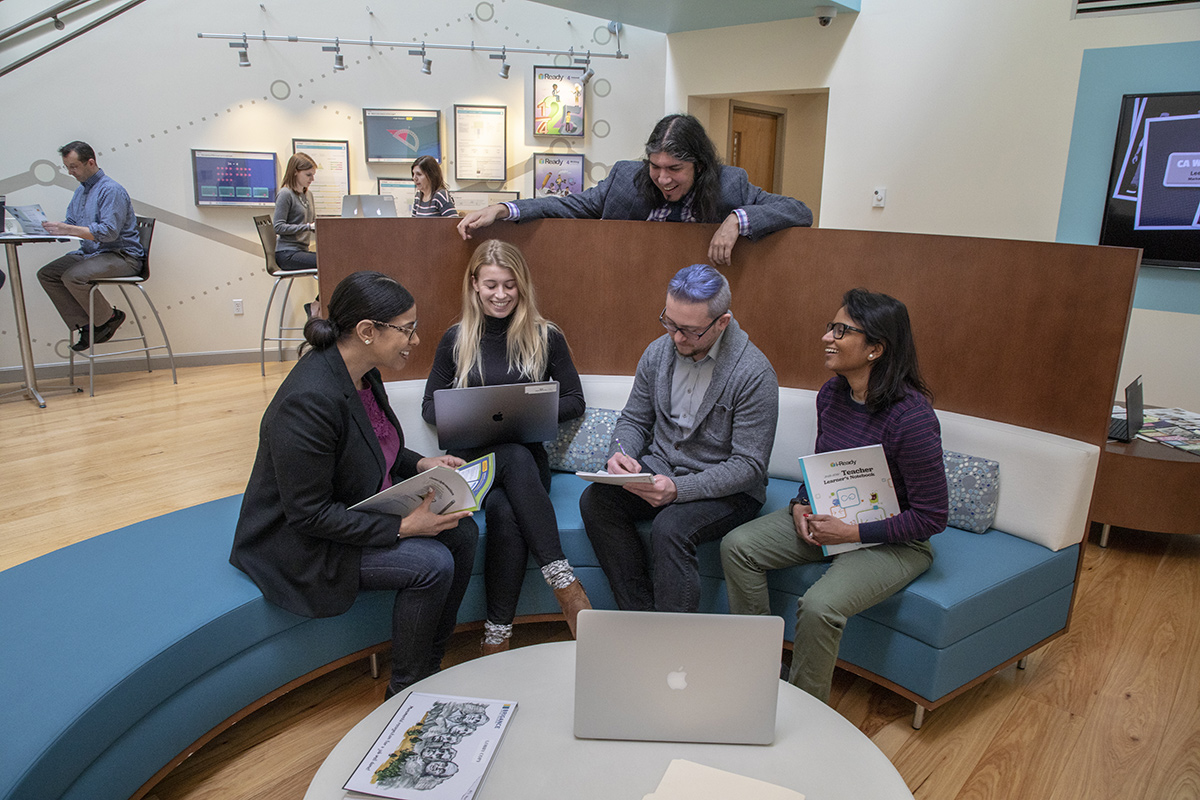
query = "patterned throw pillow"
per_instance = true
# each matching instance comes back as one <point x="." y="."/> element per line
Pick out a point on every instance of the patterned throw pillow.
<point x="582" y="443"/>
<point x="974" y="490"/>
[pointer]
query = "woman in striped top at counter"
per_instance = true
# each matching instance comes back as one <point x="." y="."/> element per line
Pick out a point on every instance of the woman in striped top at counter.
<point x="432" y="198"/>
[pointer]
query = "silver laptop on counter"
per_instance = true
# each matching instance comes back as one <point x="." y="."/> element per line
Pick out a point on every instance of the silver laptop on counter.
<point x="368" y="205"/>
<point x="650" y="676"/>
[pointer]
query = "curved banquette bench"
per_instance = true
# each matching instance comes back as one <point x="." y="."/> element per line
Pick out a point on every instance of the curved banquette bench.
<point x="122" y="653"/>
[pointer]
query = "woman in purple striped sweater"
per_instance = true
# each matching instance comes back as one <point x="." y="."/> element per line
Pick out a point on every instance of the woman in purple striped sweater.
<point x="877" y="396"/>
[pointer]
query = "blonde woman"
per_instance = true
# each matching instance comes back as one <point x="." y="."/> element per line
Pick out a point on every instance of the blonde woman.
<point x="501" y="339"/>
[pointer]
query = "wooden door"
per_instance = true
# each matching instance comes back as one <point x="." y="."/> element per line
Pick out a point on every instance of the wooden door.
<point x="752" y="148"/>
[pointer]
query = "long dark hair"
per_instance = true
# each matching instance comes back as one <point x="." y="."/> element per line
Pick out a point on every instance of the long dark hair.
<point x="682" y="136"/>
<point x="361" y="295"/>
<point x="433" y="171"/>
<point x="885" y="320"/>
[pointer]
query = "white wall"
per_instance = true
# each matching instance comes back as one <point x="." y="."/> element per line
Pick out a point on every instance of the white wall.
<point x="144" y="91"/>
<point x="962" y="110"/>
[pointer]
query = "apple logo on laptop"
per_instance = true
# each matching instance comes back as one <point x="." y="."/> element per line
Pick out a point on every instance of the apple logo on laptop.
<point x="498" y="416"/>
<point x="677" y="679"/>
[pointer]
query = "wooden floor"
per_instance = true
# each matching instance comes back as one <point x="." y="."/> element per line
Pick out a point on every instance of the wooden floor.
<point x="1111" y="710"/>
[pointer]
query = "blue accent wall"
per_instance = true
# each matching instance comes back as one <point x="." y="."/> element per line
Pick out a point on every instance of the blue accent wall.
<point x="1106" y="75"/>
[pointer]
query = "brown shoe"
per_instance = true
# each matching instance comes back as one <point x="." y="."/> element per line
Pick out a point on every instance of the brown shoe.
<point x="572" y="600"/>
<point x="489" y="649"/>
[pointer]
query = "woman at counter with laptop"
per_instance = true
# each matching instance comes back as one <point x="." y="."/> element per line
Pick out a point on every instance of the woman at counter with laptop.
<point x="432" y="198"/>
<point x="502" y="339"/>
<point x="876" y="397"/>
<point x="328" y="440"/>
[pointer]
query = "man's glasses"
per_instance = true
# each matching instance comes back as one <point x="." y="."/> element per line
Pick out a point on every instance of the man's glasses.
<point x="672" y="328"/>
<point x="839" y="329"/>
<point x="408" y="331"/>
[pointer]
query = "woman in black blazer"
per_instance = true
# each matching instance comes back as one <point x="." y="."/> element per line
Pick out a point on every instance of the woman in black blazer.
<point x="328" y="440"/>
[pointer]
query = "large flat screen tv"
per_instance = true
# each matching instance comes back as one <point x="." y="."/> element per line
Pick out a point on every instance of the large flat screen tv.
<point x="1153" y="199"/>
<point x="234" y="178"/>
<point x="401" y="134"/>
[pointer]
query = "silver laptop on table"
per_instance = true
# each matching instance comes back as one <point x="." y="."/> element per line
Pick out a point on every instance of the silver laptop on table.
<point x="368" y="205"/>
<point x="481" y="416"/>
<point x="650" y="676"/>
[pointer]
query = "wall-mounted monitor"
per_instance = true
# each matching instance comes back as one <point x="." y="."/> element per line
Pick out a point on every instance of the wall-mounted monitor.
<point x="234" y="178"/>
<point x="1153" y="199"/>
<point x="401" y="134"/>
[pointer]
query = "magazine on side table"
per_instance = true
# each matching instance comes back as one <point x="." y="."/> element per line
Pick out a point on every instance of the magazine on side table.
<point x="436" y="747"/>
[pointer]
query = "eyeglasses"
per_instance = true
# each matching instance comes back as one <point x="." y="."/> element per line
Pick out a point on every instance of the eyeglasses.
<point x="672" y="328"/>
<point x="839" y="329"/>
<point x="408" y="331"/>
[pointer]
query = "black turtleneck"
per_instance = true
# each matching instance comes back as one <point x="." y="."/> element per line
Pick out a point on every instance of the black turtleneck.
<point x="496" y="369"/>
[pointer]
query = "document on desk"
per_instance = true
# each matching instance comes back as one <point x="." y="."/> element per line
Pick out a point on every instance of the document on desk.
<point x="687" y="780"/>
<point x="436" y="747"/>
<point x="32" y="219"/>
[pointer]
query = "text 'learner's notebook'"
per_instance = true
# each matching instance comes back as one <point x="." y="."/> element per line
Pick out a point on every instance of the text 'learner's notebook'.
<point x="482" y="416"/>
<point x="648" y="676"/>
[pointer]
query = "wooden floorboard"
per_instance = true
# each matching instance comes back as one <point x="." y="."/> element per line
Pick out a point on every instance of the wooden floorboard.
<point x="1111" y="709"/>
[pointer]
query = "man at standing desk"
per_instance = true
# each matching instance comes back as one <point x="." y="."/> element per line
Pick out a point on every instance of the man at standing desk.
<point x="701" y="416"/>
<point x="101" y="215"/>
<point x="680" y="180"/>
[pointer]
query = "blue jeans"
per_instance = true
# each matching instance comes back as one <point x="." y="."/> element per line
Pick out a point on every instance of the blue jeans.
<point x="430" y="575"/>
<point x="610" y="515"/>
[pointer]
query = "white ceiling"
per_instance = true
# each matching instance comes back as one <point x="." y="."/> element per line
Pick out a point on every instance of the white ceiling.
<point x="674" y="16"/>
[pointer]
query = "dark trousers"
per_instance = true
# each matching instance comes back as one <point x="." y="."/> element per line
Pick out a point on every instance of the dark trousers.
<point x="520" y="522"/>
<point x="610" y="515"/>
<point x="296" y="259"/>
<point x="430" y="576"/>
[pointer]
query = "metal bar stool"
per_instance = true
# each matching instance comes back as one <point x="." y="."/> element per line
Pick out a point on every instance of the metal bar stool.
<point x="266" y="233"/>
<point x="145" y="229"/>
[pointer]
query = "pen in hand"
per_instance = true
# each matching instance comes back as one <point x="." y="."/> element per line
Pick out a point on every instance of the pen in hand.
<point x="621" y="448"/>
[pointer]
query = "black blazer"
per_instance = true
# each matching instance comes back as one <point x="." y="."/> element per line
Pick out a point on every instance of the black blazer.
<point x="317" y="455"/>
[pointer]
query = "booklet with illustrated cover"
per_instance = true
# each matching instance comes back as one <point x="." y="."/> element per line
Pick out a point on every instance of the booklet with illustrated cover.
<point x="461" y="489"/>
<point x="853" y="485"/>
<point x="436" y="747"/>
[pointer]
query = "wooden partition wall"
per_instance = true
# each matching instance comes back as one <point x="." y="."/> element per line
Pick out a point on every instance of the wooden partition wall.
<point x="1029" y="333"/>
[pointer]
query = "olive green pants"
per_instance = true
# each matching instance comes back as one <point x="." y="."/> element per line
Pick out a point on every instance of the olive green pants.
<point x="855" y="580"/>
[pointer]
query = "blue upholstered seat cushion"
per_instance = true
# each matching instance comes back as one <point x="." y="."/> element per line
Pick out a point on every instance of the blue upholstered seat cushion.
<point x="582" y="443"/>
<point x="974" y="485"/>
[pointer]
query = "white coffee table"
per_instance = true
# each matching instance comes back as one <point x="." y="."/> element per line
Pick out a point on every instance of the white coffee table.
<point x="816" y="751"/>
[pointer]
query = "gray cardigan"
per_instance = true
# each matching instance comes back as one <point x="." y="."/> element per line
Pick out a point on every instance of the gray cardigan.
<point x="728" y="449"/>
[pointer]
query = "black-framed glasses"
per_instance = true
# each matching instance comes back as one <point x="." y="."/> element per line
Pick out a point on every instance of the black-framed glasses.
<point x="407" y="330"/>
<point x="839" y="329"/>
<point x="672" y="328"/>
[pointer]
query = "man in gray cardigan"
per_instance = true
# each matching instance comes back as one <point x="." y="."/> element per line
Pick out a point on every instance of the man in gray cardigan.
<point x="701" y="418"/>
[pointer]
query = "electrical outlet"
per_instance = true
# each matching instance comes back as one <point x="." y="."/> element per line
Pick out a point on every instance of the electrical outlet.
<point x="238" y="307"/>
<point x="879" y="199"/>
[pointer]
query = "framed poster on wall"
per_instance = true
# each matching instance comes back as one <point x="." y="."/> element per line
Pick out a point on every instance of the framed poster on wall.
<point x="403" y="189"/>
<point x="558" y="101"/>
<point x="401" y="134"/>
<point x="333" y="173"/>
<point x="557" y="174"/>
<point x="480" y="148"/>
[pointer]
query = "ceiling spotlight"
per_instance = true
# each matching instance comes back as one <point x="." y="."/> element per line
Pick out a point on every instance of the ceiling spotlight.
<point x="503" y="59"/>
<point x="58" y="23"/>
<point x="243" y="53"/>
<point x="588" y="73"/>
<point x="426" y="61"/>
<point x="339" y="61"/>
